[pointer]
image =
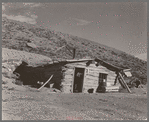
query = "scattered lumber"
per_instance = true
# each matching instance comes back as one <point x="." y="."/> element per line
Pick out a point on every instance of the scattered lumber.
<point x="124" y="83"/>
<point x="45" y="83"/>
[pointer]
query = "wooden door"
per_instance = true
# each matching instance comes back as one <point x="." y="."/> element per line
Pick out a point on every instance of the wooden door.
<point x="78" y="80"/>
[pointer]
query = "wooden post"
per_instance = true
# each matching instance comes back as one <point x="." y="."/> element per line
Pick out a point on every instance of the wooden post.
<point x="73" y="79"/>
<point x="121" y="82"/>
<point x="124" y="83"/>
<point x="83" y="79"/>
<point x="45" y="82"/>
<point x="74" y="51"/>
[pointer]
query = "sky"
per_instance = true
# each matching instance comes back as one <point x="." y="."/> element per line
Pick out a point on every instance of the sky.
<point x="121" y="25"/>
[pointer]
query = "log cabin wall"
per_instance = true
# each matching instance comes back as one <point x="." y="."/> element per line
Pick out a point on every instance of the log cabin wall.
<point x="63" y="75"/>
<point x="91" y="77"/>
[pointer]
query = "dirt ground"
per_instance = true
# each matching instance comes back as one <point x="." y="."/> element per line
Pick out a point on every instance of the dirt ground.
<point x="25" y="103"/>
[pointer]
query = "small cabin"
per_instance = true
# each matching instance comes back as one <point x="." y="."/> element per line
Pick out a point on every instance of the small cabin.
<point x="74" y="76"/>
<point x="89" y="75"/>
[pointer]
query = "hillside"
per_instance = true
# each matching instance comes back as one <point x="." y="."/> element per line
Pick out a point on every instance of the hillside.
<point x="18" y="35"/>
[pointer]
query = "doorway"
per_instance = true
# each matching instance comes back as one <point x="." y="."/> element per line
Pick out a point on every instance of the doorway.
<point x="78" y="80"/>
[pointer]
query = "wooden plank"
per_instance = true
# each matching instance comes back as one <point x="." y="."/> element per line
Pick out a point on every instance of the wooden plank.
<point x="79" y="60"/>
<point x="67" y="69"/>
<point x="73" y="80"/>
<point x="92" y="75"/>
<point x="67" y="79"/>
<point x="45" y="82"/>
<point x="112" y="87"/>
<point x="91" y="78"/>
<point x="77" y="64"/>
<point x="90" y="85"/>
<point x="68" y="73"/>
<point x="84" y="78"/>
<point x="92" y="65"/>
<point x="69" y="66"/>
<point x="112" y="75"/>
<point x="67" y="83"/>
<point x="89" y="67"/>
<point x="110" y="84"/>
<point x="111" y="78"/>
<point x="69" y="76"/>
<point x="124" y="82"/>
<point x="64" y="84"/>
<point x="126" y="70"/>
<point x="96" y="70"/>
<point x="91" y="81"/>
<point x="111" y="90"/>
<point x="116" y="88"/>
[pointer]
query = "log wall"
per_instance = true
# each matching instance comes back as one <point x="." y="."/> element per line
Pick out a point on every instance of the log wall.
<point x="91" y="76"/>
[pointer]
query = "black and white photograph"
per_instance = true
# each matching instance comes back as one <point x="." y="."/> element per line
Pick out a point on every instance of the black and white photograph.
<point x="74" y="60"/>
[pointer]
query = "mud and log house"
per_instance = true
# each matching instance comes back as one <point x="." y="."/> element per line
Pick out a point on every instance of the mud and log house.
<point x="73" y="76"/>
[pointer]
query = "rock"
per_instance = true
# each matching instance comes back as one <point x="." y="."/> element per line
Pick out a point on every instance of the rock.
<point x="18" y="82"/>
<point x="5" y="87"/>
<point x="137" y="114"/>
<point x="7" y="74"/>
<point x="56" y="90"/>
<point x="10" y="75"/>
<point x="13" y="81"/>
<point x="32" y="45"/>
<point x="4" y="82"/>
<point x="91" y="90"/>
<point x="11" y="67"/>
<point x="11" y="88"/>
<point x="145" y="93"/>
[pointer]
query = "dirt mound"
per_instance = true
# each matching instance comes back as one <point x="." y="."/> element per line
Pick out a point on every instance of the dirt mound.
<point x="31" y="58"/>
<point x="11" y="59"/>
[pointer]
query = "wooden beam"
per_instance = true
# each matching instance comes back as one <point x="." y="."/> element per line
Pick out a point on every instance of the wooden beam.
<point x="68" y="49"/>
<point x="121" y="82"/>
<point x="45" y="82"/>
<point x="78" y="60"/>
<point x="124" y="83"/>
<point x="126" y="70"/>
<point x="73" y="79"/>
<point x="74" y="52"/>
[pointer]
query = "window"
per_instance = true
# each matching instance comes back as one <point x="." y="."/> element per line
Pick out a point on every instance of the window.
<point x="102" y="79"/>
